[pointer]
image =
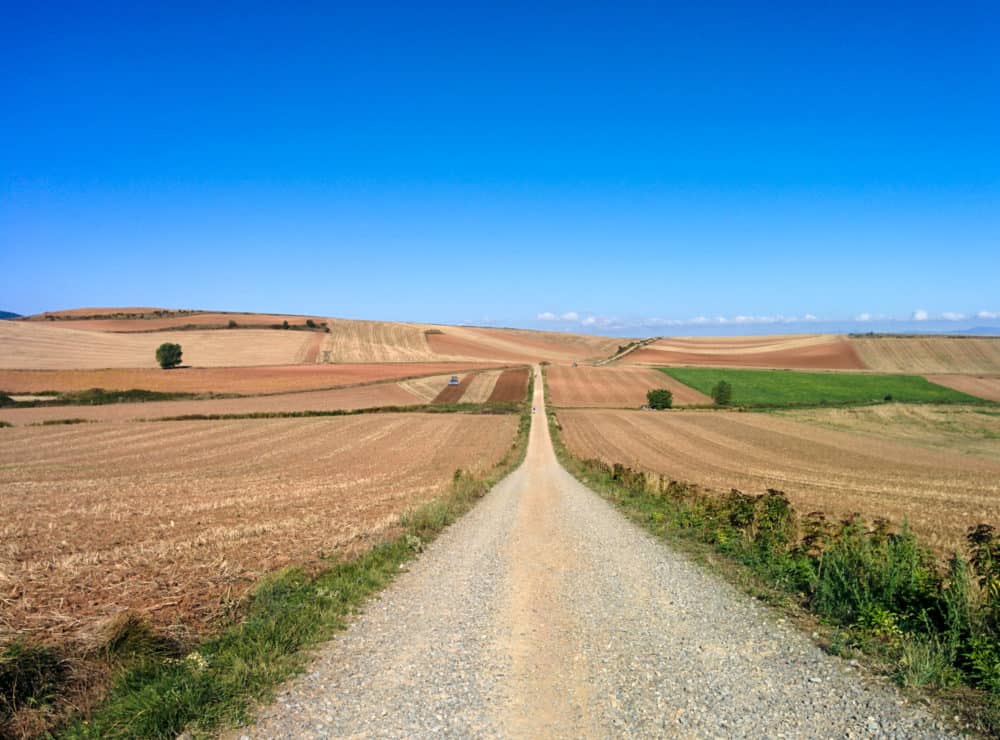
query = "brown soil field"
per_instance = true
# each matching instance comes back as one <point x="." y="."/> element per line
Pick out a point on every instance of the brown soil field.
<point x="361" y="397"/>
<point x="172" y="520"/>
<point x="245" y="380"/>
<point x="802" y="351"/>
<point x="512" y="385"/>
<point x="981" y="386"/>
<point x="426" y="388"/>
<point x="453" y="393"/>
<point x="614" y="386"/>
<point x="941" y="493"/>
<point x="969" y="430"/>
<point x="517" y="345"/>
<point x="930" y="354"/>
<point x="152" y="322"/>
<point x="481" y="387"/>
<point x="43" y="345"/>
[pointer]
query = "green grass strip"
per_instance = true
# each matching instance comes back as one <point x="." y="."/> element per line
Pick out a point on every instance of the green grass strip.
<point x="776" y="388"/>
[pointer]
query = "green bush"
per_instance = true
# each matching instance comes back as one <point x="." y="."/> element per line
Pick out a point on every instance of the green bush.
<point x="660" y="398"/>
<point x="232" y="324"/>
<point x="6" y="400"/>
<point x="168" y="355"/>
<point x="310" y="323"/>
<point x="722" y="393"/>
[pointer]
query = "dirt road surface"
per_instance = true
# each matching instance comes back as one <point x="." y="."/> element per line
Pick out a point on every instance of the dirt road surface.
<point x="544" y="613"/>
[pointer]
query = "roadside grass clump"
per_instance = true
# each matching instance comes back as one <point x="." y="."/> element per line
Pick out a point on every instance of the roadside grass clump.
<point x="30" y="676"/>
<point x="877" y="589"/>
<point x="160" y="688"/>
<point x="791" y="388"/>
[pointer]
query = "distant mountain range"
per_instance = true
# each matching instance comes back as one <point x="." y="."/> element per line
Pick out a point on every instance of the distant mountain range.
<point x="9" y="315"/>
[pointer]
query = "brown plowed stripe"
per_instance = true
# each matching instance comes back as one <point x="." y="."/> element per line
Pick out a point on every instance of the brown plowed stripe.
<point x="454" y="393"/>
<point x="836" y="355"/>
<point x="511" y="386"/>
<point x="975" y="385"/>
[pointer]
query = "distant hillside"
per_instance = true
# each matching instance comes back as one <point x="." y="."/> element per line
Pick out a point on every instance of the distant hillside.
<point x="9" y="315"/>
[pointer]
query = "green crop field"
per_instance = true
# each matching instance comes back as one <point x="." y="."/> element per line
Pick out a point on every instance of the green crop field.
<point x="793" y="388"/>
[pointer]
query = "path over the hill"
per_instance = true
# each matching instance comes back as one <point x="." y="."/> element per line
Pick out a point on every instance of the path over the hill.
<point x="544" y="613"/>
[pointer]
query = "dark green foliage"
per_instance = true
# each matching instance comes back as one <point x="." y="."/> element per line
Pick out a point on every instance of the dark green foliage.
<point x="30" y="675"/>
<point x="310" y="323"/>
<point x="232" y="324"/>
<point x="168" y="355"/>
<point x="722" y="393"/>
<point x="284" y="324"/>
<point x="660" y="398"/>
<point x="6" y="400"/>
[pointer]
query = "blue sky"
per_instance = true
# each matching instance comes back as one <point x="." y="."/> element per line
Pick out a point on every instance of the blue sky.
<point x="634" y="169"/>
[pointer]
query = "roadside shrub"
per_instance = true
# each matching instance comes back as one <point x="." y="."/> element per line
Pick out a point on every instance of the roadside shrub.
<point x="310" y="323"/>
<point x="722" y="393"/>
<point x="6" y="400"/>
<point x="660" y="398"/>
<point x="168" y="355"/>
<point x="284" y="324"/>
<point x="232" y="324"/>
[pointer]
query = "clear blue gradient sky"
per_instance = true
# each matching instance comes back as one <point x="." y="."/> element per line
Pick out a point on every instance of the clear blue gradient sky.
<point x="638" y="169"/>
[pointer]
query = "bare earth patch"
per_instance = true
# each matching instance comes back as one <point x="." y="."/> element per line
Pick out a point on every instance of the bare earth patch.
<point x="614" y="386"/>
<point x="982" y="386"/>
<point x="802" y="351"/>
<point x="930" y="354"/>
<point x="172" y="519"/>
<point x="942" y="493"/>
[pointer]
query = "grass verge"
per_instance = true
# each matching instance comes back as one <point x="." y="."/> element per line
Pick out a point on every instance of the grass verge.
<point x="872" y="591"/>
<point x="791" y="388"/>
<point x="160" y="690"/>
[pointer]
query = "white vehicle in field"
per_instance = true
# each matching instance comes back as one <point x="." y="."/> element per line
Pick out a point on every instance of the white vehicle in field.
<point x="454" y="380"/>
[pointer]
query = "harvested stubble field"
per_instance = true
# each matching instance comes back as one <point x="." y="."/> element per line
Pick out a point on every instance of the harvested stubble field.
<point x="803" y="351"/>
<point x="981" y="386"/>
<point x="517" y="345"/>
<point x="930" y="354"/>
<point x="360" y="397"/>
<point x="44" y="345"/>
<point x="172" y="520"/>
<point x="453" y="393"/>
<point x="512" y="385"/>
<point x="941" y="493"/>
<point x="614" y="387"/>
<point x="964" y="429"/>
<point x="243" y="380"/>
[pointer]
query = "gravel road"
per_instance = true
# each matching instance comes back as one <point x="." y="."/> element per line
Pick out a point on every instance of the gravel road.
<point x="545" y="613"/>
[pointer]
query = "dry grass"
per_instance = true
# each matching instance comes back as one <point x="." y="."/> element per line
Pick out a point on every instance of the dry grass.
<point x="981" y="386"/>
<point x="802" y="351"/>
<point x="367" y="396"/>
<point x="375" y="341"/>
<point x="930" y="354"/>
<point x="481" y="387"/>
<point x="518" y="345"/>
<point x="172" y="520"/>
<point x="941" y="492"/>
<point x="44" y="345"/>
<point x="614" y="386"/>
<point x="245" y="380"/>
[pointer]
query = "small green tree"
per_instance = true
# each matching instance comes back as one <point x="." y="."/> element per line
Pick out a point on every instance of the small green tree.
<point x="310" y="323"/>
<point x="722" y="393"/>
<point x="232" y="323"/>
<point x="660" y="398"/>
<point x="284" y="324"/>
<point x="168" y="355"/>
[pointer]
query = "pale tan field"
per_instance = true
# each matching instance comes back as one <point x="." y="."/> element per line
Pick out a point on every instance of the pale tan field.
<point x="518" y="345"/>
<point x="375" y="341"/>
<point x="942" y="493"/>
<point x="802" y="351"/>
<point x="151" y="322"/>
<point x="931" y="354"/>
<point x="44" y="345"/>
<point x="969" y="430"/>
<point x="481" y="387"/>
<point x="360" y="397"/>
<point x="171" y="519"/>
<point x="981" y="386"/>
<point x="614" y="386"/>
<point x="243" y="380"/>
<point x="426" y="389"/>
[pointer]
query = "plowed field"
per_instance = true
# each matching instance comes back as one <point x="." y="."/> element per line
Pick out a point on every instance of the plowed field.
<point x="614" y="387"/>
<point x="987" y="387"/>
<point x="245" y="380"/>
<point x="361" y="397"/>
<point x="930" y="354"/>
<point x="453" y="393"/>
<point x="512" y="385"/>
<point x="170" y="519"/>
<point x="941" y="493"/>
<point x="818" y="351"/>
<point x="515" y="345"/>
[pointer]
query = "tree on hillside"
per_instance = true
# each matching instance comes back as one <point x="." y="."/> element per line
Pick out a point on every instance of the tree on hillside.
<point x="168" y="355"/>
<point x="722" y="393"/>
<point x="660" y="398"/>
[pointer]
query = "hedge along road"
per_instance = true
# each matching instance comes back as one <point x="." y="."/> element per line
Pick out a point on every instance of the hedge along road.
<point x="545" y="613"/>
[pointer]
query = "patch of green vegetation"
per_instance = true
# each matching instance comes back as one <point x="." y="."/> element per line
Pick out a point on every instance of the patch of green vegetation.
<point x="162" y="690"/>
<point x="785" y="388"/>
<point x="881" y="591"/>
<point x="57" y="422"/>
<point x="5" y="424"/>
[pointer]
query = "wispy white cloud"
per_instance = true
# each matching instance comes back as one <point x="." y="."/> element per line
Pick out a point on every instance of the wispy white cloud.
<point x="570" y="316"/>
<point x="988" y="315"/>
<point x="920" y="315"/>
<point x="546" y="316"/>
<point x="863" y="317"/>
<point x="952" y="316"/>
